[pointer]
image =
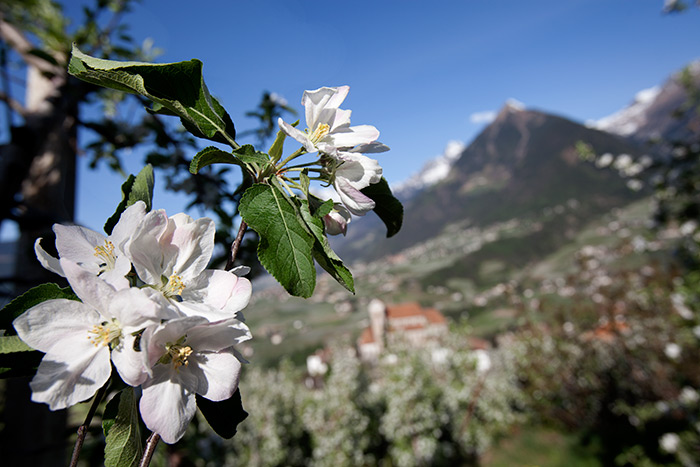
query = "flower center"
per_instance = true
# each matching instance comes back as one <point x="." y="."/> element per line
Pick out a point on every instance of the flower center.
<point x="106" y="254"/>
<point x="176" y="353"/>
<point x="320" y="132"/>
<point x="107" y="333"/>
<point x="173" y="286"/>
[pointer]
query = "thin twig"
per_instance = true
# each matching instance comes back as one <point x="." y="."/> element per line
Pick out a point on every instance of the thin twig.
<point x="235" y="245"/>
<point x="83" y="429"/>
<point x="150" y="449"/>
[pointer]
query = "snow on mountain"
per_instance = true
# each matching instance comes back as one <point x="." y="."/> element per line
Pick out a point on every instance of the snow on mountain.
<point x="627" y="121"/>
<point x="432" y="172"/>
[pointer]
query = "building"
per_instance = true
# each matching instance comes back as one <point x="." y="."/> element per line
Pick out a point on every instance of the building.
<point x="408" y="322"/>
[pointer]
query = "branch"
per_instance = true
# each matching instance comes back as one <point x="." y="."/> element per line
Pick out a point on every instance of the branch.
<point x="150" y="449"/>
<point x="236" y="244"/>
<point x="20" y="44"/>
<point x="14" y="104"/>
<point x="82" y="429"/>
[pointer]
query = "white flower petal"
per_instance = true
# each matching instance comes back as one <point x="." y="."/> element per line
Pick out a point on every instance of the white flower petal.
<point x="78" y="245"/>
<point x="74" y="375"/>
<point x="316" y="101"/>
<point x="194" y="244"/>
<point x="128" y="224"/>
<point x="168" y="403"/>
<point x="46" y="260"/>
<point x="144" y="249"/>
<point x="349" y="137"/>
<point x="130" y="364"/>
<point x="91" y="289"/>
<point x="219" y="374"/>
<point x="298" y="135"/>
<point x="353" y="199"/>
<point x="55" y="322"/>
<point x="218" y="336"/>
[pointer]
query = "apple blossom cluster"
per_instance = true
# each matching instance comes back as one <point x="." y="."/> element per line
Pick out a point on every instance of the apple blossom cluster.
<point x="341" y="148"/>
<point x="149" y="307"/>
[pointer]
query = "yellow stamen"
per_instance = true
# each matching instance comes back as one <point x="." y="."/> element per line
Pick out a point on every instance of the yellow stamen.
<point x="319" y="133"/>
<point x="179" y="355"/>
<point x="106" y="254"/>
<point x="106" y="334"/>
<point x="176" y="353"/>
<point x="174" y="286"/>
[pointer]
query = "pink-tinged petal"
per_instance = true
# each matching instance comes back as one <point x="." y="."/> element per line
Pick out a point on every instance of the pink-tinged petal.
<point x="46" y="260"/>
<point x="298" y="135"/>
<point x="56" y="322"/>
<point x="240" y="295"/>
<point x="353" y="199"/>
<point x="144" y="249"/>
<point x="349" y="137"/>
<point x="194" y="243"/>
<point x="169" y="331"/>
<point x="371" y="148"/>
<point x="74" y="375"/>
<point x="128" y="224"/>
<point x="202" y="310"/>
<point x="78" y="245"/>
<point x="217" y="374"/>
<point x="218" y="336"/>
<point x="168" y="403"/>
<point x="223" y="291"/>
<point x="91" y="289"/>
<point x="360" y="171"/>
<point x="137" y="308"/>
<point x="337" y="220"/>
<point x="212" y="286"/>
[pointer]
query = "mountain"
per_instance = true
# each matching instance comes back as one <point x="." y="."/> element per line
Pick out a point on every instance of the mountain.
<point x="659" y="112"/>
<point x="431" y="173"/>
<point x="523" y="162"/>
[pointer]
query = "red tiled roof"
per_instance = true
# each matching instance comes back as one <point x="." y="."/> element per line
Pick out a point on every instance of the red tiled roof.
<point x="404" y="310"/>
<point x="434" y="316"/>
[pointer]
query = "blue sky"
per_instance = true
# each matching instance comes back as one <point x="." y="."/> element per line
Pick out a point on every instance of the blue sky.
<point x="419" y="71"/>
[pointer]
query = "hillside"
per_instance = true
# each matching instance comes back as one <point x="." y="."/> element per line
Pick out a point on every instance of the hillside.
<point x="521" y="163"/>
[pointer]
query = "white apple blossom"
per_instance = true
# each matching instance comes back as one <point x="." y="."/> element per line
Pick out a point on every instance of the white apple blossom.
<point x="353" y="173"/>
<point x="170" y="254"/>
<point x="189" y="356"/>
<point x="101" y="255"/>
<point x="328" y="127"/>
<point x="80" y="338"/>
<point x="337" y="220"/>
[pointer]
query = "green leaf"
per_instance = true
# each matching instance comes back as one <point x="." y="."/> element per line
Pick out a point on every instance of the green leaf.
<point x="285" y="243"/>
<point x="120" y="424"/>
<point x="17" y="358"/>
<point x="388" y="208"/>
<point x="30" y="298"/>
<point x="248" y="155"/>
<point x="175" y="88"/>
<point x="223" y="416"/>
<point x="12" y="344"/>
<point x="277" y="147"/>
<point x="211" y="155"/>
<point x="322" y="251"/>
<point x="323" y="209"/>
<point x="139" y="188"/>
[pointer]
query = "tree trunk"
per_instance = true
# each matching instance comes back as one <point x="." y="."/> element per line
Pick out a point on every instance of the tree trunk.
<point x="46" y="147"/>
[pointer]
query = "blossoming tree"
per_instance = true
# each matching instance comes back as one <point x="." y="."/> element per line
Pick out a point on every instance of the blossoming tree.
<point x="141" y="298"/>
